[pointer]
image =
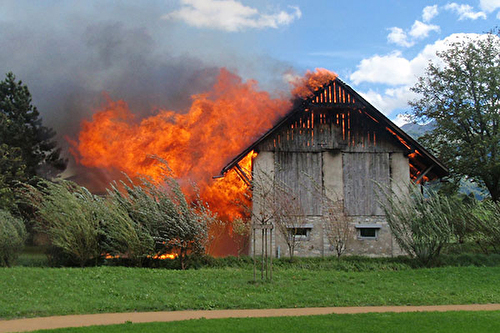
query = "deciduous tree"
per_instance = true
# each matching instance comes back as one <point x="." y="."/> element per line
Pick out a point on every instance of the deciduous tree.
<point x="461" y="94"/>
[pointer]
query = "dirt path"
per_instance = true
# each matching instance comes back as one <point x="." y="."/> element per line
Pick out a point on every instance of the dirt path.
<point x="31" y="324"/>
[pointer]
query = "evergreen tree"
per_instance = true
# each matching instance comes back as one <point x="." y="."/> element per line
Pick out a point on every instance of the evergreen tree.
<point x="27" y="148"/>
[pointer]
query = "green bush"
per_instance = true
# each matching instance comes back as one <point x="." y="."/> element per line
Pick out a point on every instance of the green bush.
<point x="421" y="221"/>
<point x="70" y="215"/>
<point x="162" y="213"/>
<point x="12" y="237"/>
<point x="486" y="216"/>
<point x="124" y="237"/>
<point x="132" y="224"/>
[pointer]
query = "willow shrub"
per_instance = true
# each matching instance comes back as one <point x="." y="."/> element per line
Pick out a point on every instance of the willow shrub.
<point x="162" y="210"/>
<point x="12" y="237"/>
<point x="70" y="216"/>
<point x="83" y="227"/>
<point x="420" y="222"/>
<point x="135" y="222"/>
<point x="486" y="216"/>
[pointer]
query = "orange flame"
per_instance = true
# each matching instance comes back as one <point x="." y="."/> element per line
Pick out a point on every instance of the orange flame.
<point x="219" y="124"/>
<point x="306" y="86"/>
<point x="166" y="256"/>
<point x="161" y="256"/>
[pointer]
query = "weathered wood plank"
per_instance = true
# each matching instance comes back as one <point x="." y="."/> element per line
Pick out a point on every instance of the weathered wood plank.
<point x="326" y="128"/>
<point x="301" y="173"/>
<point x="362" y="174"/>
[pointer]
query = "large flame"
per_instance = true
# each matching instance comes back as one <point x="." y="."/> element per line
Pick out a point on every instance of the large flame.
<point x="219" y="124"/>
<point x="304" y="87"/>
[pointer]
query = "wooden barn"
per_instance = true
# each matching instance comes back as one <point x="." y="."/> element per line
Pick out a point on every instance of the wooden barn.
<point x="335" y="145"/>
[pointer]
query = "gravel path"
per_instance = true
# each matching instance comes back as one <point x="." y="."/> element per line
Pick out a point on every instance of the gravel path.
<point x="31" y="324"/>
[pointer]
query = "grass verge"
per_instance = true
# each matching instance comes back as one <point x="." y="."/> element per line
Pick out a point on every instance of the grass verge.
<point x="453" y="322"/>
<point x="32" y="291"/>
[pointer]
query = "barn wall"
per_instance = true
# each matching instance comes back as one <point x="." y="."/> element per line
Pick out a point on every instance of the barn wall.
<point x="346" y="154"/>
<point x="317" y="244"/>
<point x="263" y="178"/>
<point x="400" y="170"/>
<point x="313" y="247"/>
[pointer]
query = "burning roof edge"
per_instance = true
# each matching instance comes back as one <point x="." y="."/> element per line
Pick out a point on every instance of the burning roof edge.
<point x="441" y="170"/>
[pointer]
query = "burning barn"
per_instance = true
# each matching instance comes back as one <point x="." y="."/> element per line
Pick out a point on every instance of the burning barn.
<point x="334" y="144"/>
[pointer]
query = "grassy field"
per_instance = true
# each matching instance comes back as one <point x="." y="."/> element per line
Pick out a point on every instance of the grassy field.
<point x="32" y="291"/>
<point x="453" y="322"/>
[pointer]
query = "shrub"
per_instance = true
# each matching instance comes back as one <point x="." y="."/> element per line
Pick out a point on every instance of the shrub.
<point x="70" y="216"/>
<point x="462" y="218"/>
<point x="124" y="236"/>
<point x="163" y="212"/>
<point x="12" y="237"/>
<point x="420" y="222"/>
<point x="135" y="224"/>
<point x="487" y="223"/>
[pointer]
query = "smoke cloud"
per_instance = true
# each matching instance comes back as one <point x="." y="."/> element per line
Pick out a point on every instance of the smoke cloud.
<point x="69" y="53"/>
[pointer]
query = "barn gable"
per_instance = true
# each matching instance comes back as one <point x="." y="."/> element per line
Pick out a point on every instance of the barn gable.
<point x="338" y="118"/>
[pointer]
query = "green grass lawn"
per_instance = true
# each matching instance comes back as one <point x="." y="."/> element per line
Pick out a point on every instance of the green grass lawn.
<point x="32" y="291"/>
<point x="453" y="322"/>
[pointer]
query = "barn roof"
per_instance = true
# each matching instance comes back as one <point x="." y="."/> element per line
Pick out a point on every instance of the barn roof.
<point x="337" y="94"/>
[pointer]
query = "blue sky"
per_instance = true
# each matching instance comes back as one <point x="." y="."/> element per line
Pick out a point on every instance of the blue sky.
<point x="148" y="52"/>
<point x="378" y="47"/>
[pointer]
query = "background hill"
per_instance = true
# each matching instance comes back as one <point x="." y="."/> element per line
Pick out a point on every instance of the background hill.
<point x="416" y="130"/>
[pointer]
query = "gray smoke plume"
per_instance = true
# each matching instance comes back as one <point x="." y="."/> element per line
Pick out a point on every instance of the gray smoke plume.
<point x="69" y="53"/>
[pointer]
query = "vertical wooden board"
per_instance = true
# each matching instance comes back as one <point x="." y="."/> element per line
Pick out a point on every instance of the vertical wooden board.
<point x="362" y="173"/>
<point x="301" y="173"/>
<point x="380" y="182"/>
<point x="348" y="172"/>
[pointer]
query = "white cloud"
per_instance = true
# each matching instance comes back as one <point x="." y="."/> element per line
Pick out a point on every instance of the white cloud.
<point x="429" y="12"/>
<point x="489" y="5"/>
<point x="230" y="15"/>
<point x="421" y="30"/>
<point x="390" y="100"/>
<point x="399" y="37"/>
<point x="394" y="69"/>
<point x="390" y="69"/>
<point x="464" y="11"/>
<point x="399" y="73"/>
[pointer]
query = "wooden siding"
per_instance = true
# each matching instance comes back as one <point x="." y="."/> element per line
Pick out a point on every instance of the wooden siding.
<point x="318" y="128"/>
<point x="362" y="173"/>
<point x="302" y="174"/>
